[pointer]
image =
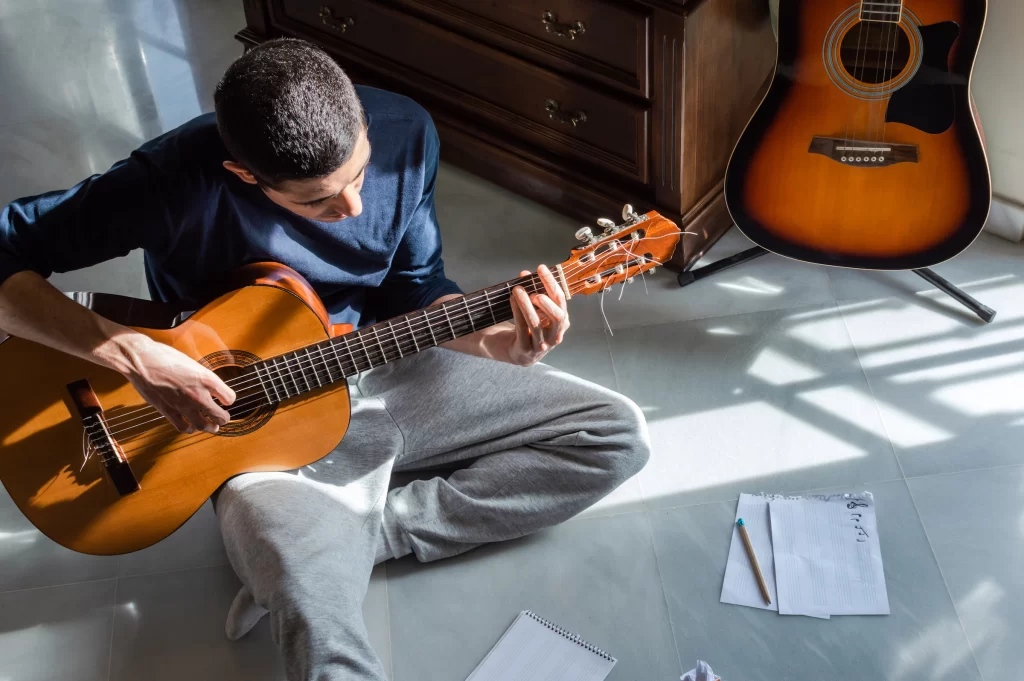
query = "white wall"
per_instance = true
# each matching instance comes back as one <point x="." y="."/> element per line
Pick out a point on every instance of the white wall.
<point x="999" y="90"/>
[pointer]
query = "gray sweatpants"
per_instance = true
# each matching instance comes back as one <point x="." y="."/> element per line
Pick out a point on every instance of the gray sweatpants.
<point x="537" y="446"/>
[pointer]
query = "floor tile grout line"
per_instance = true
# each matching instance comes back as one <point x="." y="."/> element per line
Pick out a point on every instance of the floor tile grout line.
<point x="945" y="583"/>
<point x="387" y="612"/>
<point x="118" y="577"/>
<point x="55" y="586"/>
<point x="913" y="501"/>
<point x="664" y="592"/>
<point x="168" y="572"/>
<point x="113" y="626"/>
<point x="966" y="471"/>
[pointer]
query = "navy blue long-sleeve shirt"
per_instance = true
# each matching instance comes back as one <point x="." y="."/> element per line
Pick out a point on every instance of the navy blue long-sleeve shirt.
<point x="196" y="221"/>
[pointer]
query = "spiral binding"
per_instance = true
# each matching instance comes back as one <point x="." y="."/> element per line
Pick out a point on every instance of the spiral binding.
<point x="570" y="636"/>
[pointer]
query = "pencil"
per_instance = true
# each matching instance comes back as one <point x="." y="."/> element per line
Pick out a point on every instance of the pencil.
<point x="753" y="561"/>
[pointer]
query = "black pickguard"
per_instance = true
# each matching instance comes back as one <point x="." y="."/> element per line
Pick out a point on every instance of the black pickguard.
<point x="928" y="102"/>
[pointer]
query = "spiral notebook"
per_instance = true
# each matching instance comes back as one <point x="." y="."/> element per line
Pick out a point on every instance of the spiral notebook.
<point x="533" y="648"/>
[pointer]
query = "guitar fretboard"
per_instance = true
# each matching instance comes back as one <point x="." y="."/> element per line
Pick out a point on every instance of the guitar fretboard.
<point x="314" y="366"/>
<point x="888" y="11"/>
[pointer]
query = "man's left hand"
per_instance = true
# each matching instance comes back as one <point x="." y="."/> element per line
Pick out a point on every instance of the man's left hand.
<point x="540" y="321"/>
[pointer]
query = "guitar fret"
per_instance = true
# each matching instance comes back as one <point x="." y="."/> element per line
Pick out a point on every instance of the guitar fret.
<point x="490" y="309"/>
<point x="359" y="335"/>
<point x="355" y="366"/>
<point x="412" y="333"/>
<point x="302" y="373"/>
<point x="284" y="385"/>
<point x="270" y="400"/>
<point x="377" y="338"/>
<point x="444" y="307"/>
<point x="470" y="313"/>
<point x="430" y="328"/>
<point x="316" y="374"/>
<point x="398" y="345"/>
<point x="330" y="377"/>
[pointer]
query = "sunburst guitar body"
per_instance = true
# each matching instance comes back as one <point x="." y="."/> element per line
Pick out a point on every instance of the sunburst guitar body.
<point x="866" y="151"/>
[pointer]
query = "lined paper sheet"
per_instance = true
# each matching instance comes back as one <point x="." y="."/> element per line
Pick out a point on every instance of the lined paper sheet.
<point x="740" y="584"/>
<point x="533" y="649"/>
<point x="827" y="555"/>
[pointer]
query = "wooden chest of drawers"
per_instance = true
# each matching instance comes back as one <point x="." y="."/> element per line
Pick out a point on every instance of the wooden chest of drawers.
<point x="582" y="105"/>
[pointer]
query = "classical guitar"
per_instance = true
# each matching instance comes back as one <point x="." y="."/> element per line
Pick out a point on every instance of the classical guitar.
<point x="866" y="151"/>
<point x="99" y="471"/>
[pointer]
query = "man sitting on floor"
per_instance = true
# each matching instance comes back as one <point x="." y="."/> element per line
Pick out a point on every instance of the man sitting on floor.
<point x="300" y="167"/>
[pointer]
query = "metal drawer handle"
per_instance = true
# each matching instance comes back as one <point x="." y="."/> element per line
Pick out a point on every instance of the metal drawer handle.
<point x="570" y="31"/>
<point x="573" y="118"/>
<point x="340" y="23"/>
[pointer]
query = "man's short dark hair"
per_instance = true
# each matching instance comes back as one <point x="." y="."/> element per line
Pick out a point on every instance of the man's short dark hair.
<point x="286" y="111"/>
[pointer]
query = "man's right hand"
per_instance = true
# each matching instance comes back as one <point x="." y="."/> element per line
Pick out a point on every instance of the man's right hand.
<point x="179" y="387"/>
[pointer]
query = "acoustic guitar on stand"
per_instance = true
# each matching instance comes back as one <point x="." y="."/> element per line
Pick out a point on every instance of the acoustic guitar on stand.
<point x="866" y="151"/>
<point x="99" y="471"/>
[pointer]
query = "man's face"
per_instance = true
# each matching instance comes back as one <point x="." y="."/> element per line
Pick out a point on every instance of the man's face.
<point x="327" y="199"/>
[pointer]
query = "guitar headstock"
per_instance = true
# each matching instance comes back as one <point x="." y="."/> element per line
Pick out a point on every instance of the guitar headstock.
<point x="620" y="252"/>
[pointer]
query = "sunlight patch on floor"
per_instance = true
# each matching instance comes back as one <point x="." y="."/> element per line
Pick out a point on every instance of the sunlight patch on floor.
<point x="1001" y="394"/>
<point x="712" y="454"/>
<point x="752" y="285"/>
<point x="960" y="369"/>
<point x="948" y="346"/>
<point x="848" y="403"/>
<point x="776" y="368"/>
<point x="932" y="650"/>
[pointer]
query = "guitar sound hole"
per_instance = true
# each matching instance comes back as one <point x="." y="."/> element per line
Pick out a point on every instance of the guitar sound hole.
<point x="243" y="407"/>
<point x="250" y="410"/>
<point x="875" y="52"/>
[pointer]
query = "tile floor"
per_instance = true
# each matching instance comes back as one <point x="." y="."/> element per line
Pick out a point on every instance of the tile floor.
<point x="773" y="376"/>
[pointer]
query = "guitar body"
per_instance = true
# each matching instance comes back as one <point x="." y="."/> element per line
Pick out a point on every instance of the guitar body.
<point x="866" y="151"/>
<point x="41" y="437"/>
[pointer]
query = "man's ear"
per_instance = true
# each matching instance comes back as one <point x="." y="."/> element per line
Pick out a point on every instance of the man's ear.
<point x="241" y="171"/>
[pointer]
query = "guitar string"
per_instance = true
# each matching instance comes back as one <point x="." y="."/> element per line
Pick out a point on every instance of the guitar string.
<point x="299" y="362"/>
<point x="364" y="342"/>
<point x="278" y="371"/>
<point x="882" y="73"/>
<point x="304" y="363"/>
<point x="852" y="112"/>
<point x="896" y="46"/>
<point x="137" y="443"/>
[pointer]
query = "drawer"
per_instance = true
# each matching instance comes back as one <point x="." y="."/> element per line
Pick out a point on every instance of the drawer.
<point x="611" y="37"/>
<point x="532" y="102"/>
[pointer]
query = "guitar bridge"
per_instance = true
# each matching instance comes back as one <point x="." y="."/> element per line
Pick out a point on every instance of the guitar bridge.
<point x="863" y="154"/>
<point x="99" y="437"/>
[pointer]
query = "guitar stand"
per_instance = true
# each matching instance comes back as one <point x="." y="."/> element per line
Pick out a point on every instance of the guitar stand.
<point x="986" y="313"/>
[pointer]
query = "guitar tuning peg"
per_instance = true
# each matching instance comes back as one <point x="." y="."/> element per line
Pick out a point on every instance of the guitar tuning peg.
<point x="630" y="280"/>
<point x="629" y="215"/>
<point x="608" y="225"/>
<point x="585" y="235"/>
<point x="652" y="270"/>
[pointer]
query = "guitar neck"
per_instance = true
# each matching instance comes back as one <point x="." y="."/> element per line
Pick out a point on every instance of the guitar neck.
<point x="886" y="11"/>
<point x="330" y="361"/>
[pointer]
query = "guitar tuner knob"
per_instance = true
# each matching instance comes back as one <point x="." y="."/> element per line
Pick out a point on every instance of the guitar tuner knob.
<point x="629" y="215"/>
<point x="630" y="280"/>
<point x="585" y="235"/>
<point x="652" y="271"/>
<point x="608" y="225"/>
